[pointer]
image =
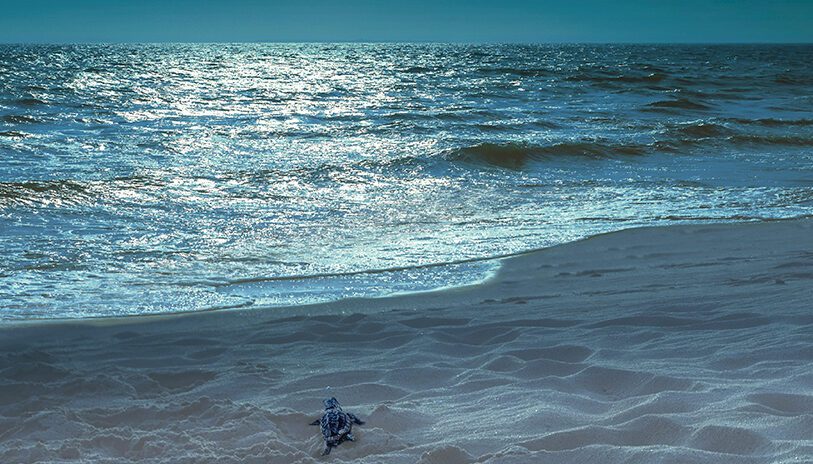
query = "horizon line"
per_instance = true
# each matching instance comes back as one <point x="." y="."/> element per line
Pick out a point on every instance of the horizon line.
<point x="416" y="42"/>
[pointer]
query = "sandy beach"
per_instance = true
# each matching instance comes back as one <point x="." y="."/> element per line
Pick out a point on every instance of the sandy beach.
<point x="678" y="344"/>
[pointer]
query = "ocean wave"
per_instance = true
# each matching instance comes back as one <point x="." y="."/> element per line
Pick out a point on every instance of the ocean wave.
<point x="19" y="119"/>
<point x="14" y="134"/>
<point x="327" y="275"/>
<point x="254" y="184"/>
<point x="787" y="79"/>
<point x="651" y="78"/>
<point x="75" y="192"/>
<point x="676" y="104"/>
<point x="232" y="184"/>
<point x="257" y="184"/>
<point x="786" y="140"/>
<point x="772" y="122"/>
<point x="716" y="135"/>
<point x="43" y="193"/>
<point x="515" y="155"/>
<point x="703" y="129"/>
<point x="426" y="116"/>
<point x="510" y="126"/>
<point x="522" y="72"/>
<point x="416" y="70"/>
<point x="30" y="101"/>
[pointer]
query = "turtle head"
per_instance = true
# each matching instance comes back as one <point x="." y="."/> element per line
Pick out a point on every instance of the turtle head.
<point x="331" y="403"/>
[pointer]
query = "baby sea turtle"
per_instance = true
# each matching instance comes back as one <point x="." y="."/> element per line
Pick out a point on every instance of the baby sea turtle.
<point x="336" y="425"/>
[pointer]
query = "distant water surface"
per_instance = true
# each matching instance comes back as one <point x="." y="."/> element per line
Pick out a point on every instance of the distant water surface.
<point x="159" y="178"/>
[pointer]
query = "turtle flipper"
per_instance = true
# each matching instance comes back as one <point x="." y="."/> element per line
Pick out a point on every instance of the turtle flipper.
<point x="316" y="422"/>
<point x="355" y="419"/>
<point x="327" y="450"/>
<point x="350" y="437"/>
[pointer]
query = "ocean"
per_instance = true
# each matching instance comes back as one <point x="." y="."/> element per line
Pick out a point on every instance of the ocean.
<point x="142" y="179"/>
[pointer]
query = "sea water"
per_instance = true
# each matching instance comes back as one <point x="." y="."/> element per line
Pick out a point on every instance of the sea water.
<point x="140" y="179"/>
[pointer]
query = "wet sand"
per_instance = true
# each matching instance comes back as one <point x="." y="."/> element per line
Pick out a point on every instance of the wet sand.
<point x="678" y="344"/>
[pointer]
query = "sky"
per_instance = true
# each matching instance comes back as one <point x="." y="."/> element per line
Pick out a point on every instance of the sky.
<point x="684" y="21"/>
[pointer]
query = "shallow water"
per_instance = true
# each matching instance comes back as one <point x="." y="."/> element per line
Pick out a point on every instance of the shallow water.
<point x="158" y="178"/>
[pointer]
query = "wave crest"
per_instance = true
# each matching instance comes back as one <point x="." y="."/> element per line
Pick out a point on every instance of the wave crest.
<point x="677" y="104"/>
<point x="515" y="155"/>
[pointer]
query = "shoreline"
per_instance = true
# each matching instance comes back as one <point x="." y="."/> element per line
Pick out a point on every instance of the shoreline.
<point x="686" y="343"/>
<point x="501" y="259"/>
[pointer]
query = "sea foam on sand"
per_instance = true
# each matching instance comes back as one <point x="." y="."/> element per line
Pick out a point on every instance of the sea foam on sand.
<point x="679" y="344"/>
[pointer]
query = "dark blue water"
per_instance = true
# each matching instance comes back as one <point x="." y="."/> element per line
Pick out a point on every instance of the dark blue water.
<point x="158" y="178"/>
